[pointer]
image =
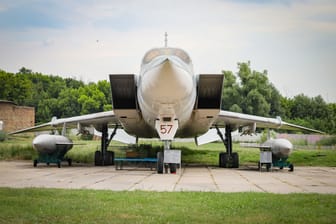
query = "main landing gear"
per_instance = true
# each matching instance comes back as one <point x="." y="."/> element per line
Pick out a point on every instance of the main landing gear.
<point x="227" y="159"/>
<point x="104" y="157"/>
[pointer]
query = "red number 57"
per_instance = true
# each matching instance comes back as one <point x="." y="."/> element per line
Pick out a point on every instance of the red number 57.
<point x="165" y="128"/>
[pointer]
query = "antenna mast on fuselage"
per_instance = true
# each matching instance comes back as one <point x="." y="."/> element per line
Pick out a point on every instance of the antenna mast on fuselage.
<point x="166" y="39"/>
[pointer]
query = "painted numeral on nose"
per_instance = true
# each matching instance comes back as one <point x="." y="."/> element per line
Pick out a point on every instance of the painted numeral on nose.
<point x="165" y="128"/>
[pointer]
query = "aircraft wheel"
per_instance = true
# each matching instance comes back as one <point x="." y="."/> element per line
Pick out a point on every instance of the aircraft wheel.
<point x="98" y="158"/>
<point x="223" y="159"/>
<point x="172" y="167"/>
<point x="159" y="165"/>
<point x="109" y="159"/>
<point x="235" y="160"/>
<point x="112" y="158"/>
<point x="291" y="168"/>
<point x="268" y="166"/>
<point x="70" y="162"/>
<point x="59" y="164"/>
<point x="35" y="163"/>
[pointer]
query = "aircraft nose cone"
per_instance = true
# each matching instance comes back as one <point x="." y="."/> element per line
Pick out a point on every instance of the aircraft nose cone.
<point x="167" y="81"/>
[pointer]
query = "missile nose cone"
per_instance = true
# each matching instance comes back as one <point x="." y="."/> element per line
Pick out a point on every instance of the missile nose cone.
<point x="38" y="142"/>
<point x="285" y="146"/>
<point x="43" y="143"/>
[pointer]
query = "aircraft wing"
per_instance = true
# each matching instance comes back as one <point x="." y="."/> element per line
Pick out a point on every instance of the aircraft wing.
<point x="95" y="119"/>
<point x="236" y="120"/>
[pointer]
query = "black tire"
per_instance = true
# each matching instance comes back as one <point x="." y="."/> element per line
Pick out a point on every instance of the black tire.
<point x="59" y="164"/>
<point x="109" y="158"/>
<point x="172" y="167"/>
<point x="70" y="162"/>
<point x="291" y="168"/>
<point x="98" y="159"/>
<point x="268" y="166"/>
<point x="220" y="164"/>
<point x="235" y="160"/>
<point x="223" y="158"/>
<point x="112" y="158"/>
<point x="35" y="163"/>
<point x="159" y="164"/>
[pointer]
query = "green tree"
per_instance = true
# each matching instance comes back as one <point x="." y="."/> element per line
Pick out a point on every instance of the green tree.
<point x="24" y="70"/>
<point x="331" y="119"/>
<point x="68" y="102"/>
<point x="5" y="82"/>
<point x="105" y="88"/>
<point x="255" y="103"/>
<point x="91" y="99"/>
<point x="275" y="103"/>
<point x="286" y="105"/>
<point x="255" y="91"/>
<point x="231" y="96"/>
<point x="73" y="83"/>
<point x="301" y="106"/>
<point x="47" y="109"/>
<point x="14" y="87"/>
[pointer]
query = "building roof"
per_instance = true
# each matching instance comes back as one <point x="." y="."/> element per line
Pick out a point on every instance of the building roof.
<point x="7" y="101"/>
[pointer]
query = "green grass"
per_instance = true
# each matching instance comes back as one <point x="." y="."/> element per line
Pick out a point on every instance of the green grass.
<point x="17" y="148"/>
<point x="83" y="152"/>
<point x="304" y="157"/>
<point x="88" y="206"/>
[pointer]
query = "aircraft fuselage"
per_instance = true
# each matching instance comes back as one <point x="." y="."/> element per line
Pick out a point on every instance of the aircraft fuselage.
<point x="166" y="86"/>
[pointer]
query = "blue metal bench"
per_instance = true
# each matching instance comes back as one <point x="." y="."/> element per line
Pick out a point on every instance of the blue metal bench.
<point x="120" y="161"/>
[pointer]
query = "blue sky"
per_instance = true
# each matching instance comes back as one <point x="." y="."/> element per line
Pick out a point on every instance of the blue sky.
<point x="294" y="40"/>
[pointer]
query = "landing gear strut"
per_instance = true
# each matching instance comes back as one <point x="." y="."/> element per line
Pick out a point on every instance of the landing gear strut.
<point x="160" y="158"/>
<point x="227" y="159"/>
<point x="104" y="157"/>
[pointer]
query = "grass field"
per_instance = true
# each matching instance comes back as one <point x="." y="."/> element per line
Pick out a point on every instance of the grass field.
<point x="88" y="206"/>
<point x="21" y="148"/>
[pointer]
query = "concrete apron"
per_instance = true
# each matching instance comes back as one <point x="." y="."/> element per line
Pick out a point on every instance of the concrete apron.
<point x="22" y="174"/>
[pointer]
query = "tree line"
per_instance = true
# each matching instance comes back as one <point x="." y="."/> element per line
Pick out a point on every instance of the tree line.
<point x="54" y="95"/>
<point x="246" y="91"/>
<point x="250" y="91"/>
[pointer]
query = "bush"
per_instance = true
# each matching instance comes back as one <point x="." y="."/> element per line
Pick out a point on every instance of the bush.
<point x="3" y="136"/>
<point x="86" y="136"/>
<point x="264" y="136"/>
<point x="329" y="141"/>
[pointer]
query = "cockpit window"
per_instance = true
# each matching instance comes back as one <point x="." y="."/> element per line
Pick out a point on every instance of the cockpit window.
<point x="166" y="51"/>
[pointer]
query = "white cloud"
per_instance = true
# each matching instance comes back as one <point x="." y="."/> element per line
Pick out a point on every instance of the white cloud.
<point x="294" y="41"/>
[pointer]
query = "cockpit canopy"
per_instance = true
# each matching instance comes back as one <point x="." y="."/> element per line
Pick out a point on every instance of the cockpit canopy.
<point x="166" y="51"/>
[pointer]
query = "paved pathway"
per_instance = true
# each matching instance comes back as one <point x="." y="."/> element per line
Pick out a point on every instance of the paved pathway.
<point x="21" y="174"/>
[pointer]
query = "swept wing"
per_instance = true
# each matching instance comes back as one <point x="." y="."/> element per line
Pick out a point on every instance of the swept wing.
<point x="236" y="120"/>
<point x="94" y="119"/>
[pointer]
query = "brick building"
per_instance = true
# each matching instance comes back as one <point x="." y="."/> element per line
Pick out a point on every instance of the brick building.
<point x="16" y="117"/>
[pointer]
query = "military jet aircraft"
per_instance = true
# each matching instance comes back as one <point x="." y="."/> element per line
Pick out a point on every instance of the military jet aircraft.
<point x="166" y="100"/>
